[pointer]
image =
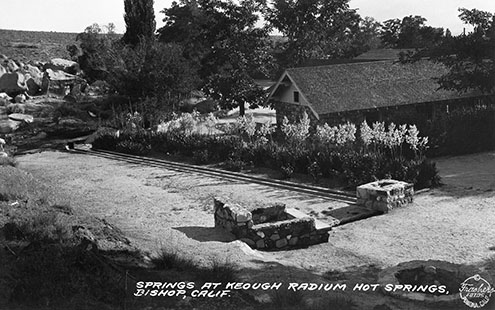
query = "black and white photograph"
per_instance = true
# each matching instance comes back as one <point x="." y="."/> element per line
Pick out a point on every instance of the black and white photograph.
<point x="247" y="154"/>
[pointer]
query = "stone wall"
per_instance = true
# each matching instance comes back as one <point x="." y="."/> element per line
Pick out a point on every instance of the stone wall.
<point x="268" y="228"/>
<point x="384" y="195"/>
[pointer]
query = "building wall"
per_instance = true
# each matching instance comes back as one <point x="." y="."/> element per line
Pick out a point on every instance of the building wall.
<point x="397" y="114"/>
<point x="293" y="112"/>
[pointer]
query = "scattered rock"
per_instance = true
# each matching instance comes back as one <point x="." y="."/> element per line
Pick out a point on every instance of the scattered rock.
<point x="11" y="66"/>
<point x="5" y="96"/>
<point x="34" y="79"/>
<point x="21" y="117"/>
<point x="71" y="122"/>
<point x="21" y="98"/>
<point x="59" y="64"/>
<point x="3" y="70"/>
<point x="16" y="108"/>
<point x="60" y="75"/>
<point x="9" y="126"/>
<point x="41" y="135"/>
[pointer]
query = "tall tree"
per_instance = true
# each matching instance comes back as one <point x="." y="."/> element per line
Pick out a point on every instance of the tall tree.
<point x="410" y="32"/>
<point x="315" y="28"/>
<point x="94" y="48"/>
<point x="469" y="57"/>
<point x="223" y="40"/>
<point x="140" y="21"/>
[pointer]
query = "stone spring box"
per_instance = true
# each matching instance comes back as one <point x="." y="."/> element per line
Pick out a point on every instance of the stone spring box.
<point x="384" y="195"/>
<point x="272" y="227"/>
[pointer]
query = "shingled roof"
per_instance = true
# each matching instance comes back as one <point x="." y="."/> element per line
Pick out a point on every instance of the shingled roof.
<point x="362" y="86"/>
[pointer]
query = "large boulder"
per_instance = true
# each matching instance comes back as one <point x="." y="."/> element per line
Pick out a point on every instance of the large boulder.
<point x="34" y="86"/>
<point x="34" y="78"/>
<point x="60" y="75"/>
<point x="59" y="64"/>
<point x="13" y="83"/>
<point x="8" y="126"/>
<point x="21" y="117"/>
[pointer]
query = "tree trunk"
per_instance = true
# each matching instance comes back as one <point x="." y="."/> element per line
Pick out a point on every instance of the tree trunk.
<point x="242" y="109"/>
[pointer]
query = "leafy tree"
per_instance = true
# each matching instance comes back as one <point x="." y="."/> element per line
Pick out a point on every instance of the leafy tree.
<point x="94" y="46"/>
<point x="390" y="32"/>
<point x="150" y="69"/>
<point x="410" y="32"/>
<point x="315" y="28"/>
<point x="369" y="35"/>
<point x="221" y="38"/>
<point x="140" y="21"/>
<point x="470" y="57"/>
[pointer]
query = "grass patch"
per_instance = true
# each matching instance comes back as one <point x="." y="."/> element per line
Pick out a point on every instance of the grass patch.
<point x="333" y="302"/>
<point x="218" y="272"/>
<point x="285" y="299"/>
<point x="172" y="260"/>
<point x="48" y="267"/>
<point x="55" y="274"/>
<point x="215" y="272"/>
<point x="43" y="226"/>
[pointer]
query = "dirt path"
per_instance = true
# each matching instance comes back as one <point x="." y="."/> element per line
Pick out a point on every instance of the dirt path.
<point x="162" y="208"/>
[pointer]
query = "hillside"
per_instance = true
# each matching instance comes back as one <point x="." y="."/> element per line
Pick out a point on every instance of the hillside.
<point x="35" y="45"/>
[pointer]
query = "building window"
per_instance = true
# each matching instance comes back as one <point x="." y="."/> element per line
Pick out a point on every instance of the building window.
<point x="296" y="96"/>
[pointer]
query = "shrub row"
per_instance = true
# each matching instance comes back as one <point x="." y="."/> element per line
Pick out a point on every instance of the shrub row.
<point x="353" y="167"/>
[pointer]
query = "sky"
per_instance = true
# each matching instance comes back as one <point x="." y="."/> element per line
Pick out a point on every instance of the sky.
<point x="76" y="15"/>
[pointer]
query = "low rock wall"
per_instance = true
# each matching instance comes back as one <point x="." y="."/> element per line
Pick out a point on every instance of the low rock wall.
<point x="267" y="228"/>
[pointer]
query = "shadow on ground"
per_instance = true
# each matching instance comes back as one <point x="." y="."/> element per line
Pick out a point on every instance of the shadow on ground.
<point x="206" y="234"/>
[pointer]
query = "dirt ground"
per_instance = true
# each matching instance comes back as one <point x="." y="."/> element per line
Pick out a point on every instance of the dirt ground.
<point x="159" y="208"/>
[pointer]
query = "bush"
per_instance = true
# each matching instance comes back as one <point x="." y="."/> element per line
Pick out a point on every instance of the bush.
<point x="133" y="147"/>
<point x="201" y="157"/>
<point x="234" y="164"/>
<point x="287" y="171"/>
<point x="47" y="227"/>
<point x="331" y="152"/>
<point x="428" y="175"/>
<point x="360" y="168"/>
<point x="106" y="142"/>
<point x="217" y="272"/>
<point x="172" y="260"/>
<point x="314" y="171"/>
